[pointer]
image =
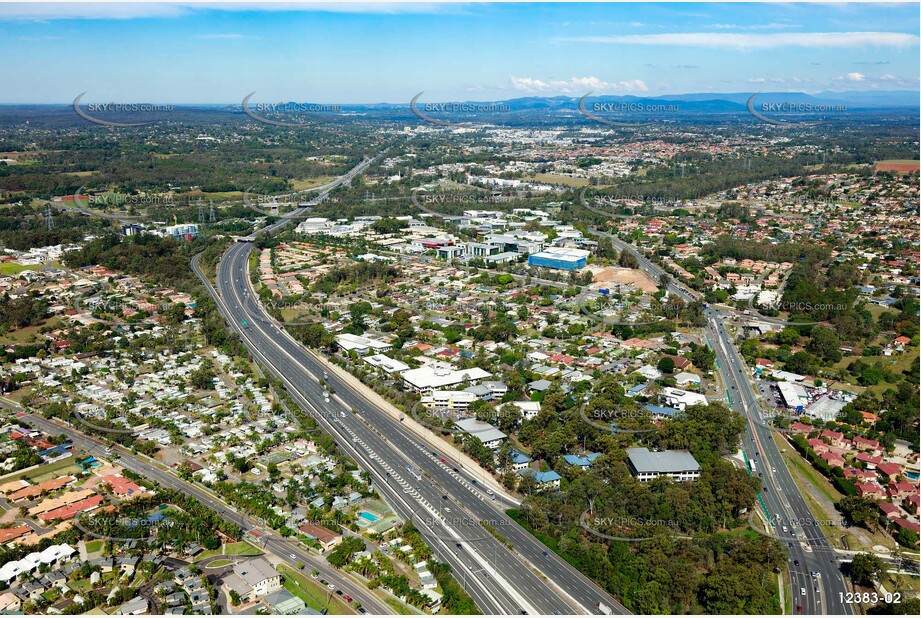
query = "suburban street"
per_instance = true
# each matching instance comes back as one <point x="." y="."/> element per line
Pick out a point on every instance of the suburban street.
<point x="274" y="544"/>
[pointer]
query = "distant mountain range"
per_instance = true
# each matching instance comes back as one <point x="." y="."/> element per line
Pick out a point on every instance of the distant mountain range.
<point x="709" y="101"/>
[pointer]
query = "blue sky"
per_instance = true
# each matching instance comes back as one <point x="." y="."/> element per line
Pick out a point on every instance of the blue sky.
<point x="364" y="53"/>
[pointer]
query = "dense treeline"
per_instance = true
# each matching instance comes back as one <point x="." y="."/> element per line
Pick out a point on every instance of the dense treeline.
<point x="24" y="226"/>
<point x="740" y="249"/>
<point x="713" y="572"/>
<point x="27" y="310"/>
<point x="150" y="160"/>
<point x="722" y="573"/>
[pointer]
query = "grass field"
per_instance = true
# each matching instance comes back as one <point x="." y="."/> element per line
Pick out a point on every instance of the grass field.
<point x="94" y="546"/>
<point x="241" y="548"/>
<point x="14" y="268"/>
<point x="301" y="184"/>
<point x="556" y="179"/>
<point x="313" y="594"/>
<point x="43" y="473"/>
<point x="29" y="334"/>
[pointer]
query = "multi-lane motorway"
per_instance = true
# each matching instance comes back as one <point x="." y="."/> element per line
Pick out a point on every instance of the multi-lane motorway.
<point x="422" y="481"/>
<point x="500" y="580"/>
<point x="808" y="551"/>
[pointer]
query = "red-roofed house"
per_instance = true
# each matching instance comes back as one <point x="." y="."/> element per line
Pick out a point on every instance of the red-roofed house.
<point x="861" y="475"/>
<point x="798" y="427"/>
<point x="871" y="446"/>
<point x="67" y="512"/>
<point x="870" y="490"/>
<point x="900" y="490"/>
<point x="871" y="461"/>
<point x="833" y="437"/>
<point x="8" y="534"/>
<point x="890" y="469"/>
<point x="121" y="486"/>
<point x="819" y="446"/>
<point x="833" y="459"/>
<point x="911" y="503"/>
<point x="890" y="510"/>
<point x="901" y="522"/>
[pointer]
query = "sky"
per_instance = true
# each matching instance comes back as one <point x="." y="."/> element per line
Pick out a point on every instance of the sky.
<point x="388" y="52"/>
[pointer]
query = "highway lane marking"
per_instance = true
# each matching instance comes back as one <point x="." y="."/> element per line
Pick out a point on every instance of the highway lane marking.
<point x="284" y="351"/>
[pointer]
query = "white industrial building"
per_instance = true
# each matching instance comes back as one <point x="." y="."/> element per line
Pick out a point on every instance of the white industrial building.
<point x="678" y="465"/>
<point x="424" y="380"/>
<point x="679" y="399"/>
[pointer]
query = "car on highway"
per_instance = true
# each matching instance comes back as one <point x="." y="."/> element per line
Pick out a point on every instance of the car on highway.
<point x="802" y="591"/>
<point x="443" y="460"/>
<point x="347" y="598"/>
<point x="796" y="563"/>
<point x="489" y="492"/>
<point x="293" y="556"/>
<point x="314" y="575"/>
<point x="331" y="586"/>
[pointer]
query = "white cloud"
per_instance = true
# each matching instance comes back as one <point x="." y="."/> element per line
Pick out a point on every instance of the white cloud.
<point x="853" y="77"/>
<point x="576" y="85"/>
<point x="757" y="41"/>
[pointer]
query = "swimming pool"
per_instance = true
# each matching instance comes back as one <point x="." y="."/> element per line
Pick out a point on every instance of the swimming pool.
<point x="912" y="475"/>
<point x="368" y="517"/>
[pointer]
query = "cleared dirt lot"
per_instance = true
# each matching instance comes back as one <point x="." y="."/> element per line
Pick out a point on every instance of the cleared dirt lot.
<point x="624" y="275"/>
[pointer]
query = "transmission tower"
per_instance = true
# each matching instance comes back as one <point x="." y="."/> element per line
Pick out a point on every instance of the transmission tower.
<point x="211" y="211"/>
<point x="201" y="212"/>
<point x="48" y="219"/>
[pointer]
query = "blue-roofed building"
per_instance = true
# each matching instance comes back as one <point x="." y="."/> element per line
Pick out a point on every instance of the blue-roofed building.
<point x="582" y="461"/>
<point x="633" y="391"/>
<point x="559" y="258"/>
<point x="662" y="411"/>
<point x="54" y="451"/>
<point x="520" y="461"/>
<point x="544" y="480"/>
